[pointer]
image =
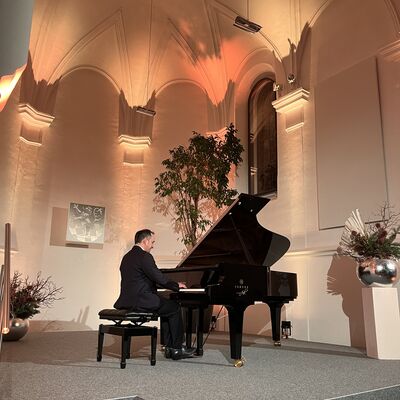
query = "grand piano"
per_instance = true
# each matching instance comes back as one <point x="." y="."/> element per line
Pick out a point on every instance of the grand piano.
<point x="231" y="266"/>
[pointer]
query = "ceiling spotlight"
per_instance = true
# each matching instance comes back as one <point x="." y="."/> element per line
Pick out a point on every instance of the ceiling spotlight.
<point x="246" y="25"/>
<point x="276" y="87"/>
<point x="145" y="111"/>
<point x="291" y="78"/>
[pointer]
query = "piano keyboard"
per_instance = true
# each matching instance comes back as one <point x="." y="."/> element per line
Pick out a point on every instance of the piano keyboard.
<point x="199" y="290"/>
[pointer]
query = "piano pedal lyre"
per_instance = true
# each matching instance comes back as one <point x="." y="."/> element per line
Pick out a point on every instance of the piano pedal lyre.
<point x="239" y="362"/>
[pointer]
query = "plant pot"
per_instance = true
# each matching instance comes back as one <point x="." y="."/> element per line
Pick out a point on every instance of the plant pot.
<point x="18" y="329"/>
<point x="375" y="272"/>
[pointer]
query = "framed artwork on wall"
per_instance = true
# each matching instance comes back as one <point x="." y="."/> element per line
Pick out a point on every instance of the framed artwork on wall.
<point x="85" y="223"/>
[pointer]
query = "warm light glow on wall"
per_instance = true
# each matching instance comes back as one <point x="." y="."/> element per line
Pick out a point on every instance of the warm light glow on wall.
<point x="33" y="117"/>
<point x="221" y="70"/>
<point x="7" y="85"/>
<point x="137" y="142"/>
<point x="134" y="149"/>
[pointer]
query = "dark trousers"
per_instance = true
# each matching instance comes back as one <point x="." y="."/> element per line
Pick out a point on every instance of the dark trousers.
<point x="171" y="323"/>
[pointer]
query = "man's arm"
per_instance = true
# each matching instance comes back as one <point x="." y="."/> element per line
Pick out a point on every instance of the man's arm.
<point x="154" y="274"/>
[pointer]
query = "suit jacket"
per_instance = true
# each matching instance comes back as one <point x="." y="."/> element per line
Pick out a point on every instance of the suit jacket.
<point x="139" y="277"/>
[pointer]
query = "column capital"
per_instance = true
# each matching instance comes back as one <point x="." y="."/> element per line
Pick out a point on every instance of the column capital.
<point x="292" y="100"/>
<point x="390" y="52"/>
<point x="33" y="117"/>
<point x="291" y="106"/>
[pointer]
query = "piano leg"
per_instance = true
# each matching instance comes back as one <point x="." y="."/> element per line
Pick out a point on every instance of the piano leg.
<point x="189" y="326"/>
<point x="235" y="315"/>
<point x="200" y="330"/>
<point x="275" y="309"/>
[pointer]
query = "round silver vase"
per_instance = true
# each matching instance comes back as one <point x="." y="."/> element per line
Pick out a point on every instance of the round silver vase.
<point x="18" y="329"/>
<point x="376" y="272"/>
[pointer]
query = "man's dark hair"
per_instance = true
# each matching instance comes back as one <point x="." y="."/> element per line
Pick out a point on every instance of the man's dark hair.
<point x="142" y="234"/>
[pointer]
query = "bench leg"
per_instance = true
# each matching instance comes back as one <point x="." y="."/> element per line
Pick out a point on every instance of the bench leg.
<point x="124" y="349"/>
<point x="100" y="343"/>
<point x="153" y="346"/>
<point x="128" y="352"/>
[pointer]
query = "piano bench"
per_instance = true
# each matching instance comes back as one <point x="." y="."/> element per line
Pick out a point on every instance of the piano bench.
<point x="127" y="330"/>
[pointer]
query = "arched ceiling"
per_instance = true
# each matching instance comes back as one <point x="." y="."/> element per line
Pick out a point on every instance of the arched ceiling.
<point x="190" y="40"/>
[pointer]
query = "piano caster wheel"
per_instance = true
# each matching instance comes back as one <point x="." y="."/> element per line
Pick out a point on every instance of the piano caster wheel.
<point x="238" y="363"/>
<point x="277" y="343"/>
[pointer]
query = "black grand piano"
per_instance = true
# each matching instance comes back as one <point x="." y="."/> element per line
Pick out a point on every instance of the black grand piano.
<point x="230" y="266"/>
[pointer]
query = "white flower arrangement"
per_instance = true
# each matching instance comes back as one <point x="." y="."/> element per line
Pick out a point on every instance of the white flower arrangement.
<point x="372" y="240"/>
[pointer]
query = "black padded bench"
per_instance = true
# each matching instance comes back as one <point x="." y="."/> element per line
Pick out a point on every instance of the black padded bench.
<point x="133" y="327"/>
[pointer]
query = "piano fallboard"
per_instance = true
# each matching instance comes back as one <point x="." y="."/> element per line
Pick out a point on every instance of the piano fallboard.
<point x="227" y="283"/>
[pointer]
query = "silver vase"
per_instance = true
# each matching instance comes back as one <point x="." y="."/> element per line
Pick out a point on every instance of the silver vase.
<point x="18" y="329"/>
<point x="378" y="272"/>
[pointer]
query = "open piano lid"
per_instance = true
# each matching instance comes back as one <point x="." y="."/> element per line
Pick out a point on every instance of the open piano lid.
<point x="238" y="238"/>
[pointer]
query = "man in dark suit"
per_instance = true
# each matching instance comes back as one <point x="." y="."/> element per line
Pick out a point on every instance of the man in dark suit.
<point x="139" y="279"/>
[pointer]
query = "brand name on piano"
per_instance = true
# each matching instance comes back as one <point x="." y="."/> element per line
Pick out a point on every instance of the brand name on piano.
<point x="241" y="290"/>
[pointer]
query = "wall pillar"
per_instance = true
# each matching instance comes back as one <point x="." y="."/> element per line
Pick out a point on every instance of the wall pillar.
<point x="291" y="163"/>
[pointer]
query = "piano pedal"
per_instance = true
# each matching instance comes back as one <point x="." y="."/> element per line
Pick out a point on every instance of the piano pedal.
<point x="277" y="343"/>
<point x="239" y="362"/>
<point x="213" y="324"/>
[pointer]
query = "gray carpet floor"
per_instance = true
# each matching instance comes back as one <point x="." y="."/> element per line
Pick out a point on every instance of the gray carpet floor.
<point x="62" y="365"/>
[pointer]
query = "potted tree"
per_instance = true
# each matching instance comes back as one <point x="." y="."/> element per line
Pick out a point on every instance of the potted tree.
<point x="195" y="186"/>
<point x="195" y="183"/>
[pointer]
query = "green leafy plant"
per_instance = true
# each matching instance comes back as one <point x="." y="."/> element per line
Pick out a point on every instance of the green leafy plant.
<point x="27" y="296"/>
<point x="371" y="240"/>
<point x="195" y="179"/>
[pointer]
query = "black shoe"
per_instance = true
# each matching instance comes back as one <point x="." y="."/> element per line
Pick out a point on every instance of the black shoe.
<point x="179" y="354"/>
<point x="167" y="352"/>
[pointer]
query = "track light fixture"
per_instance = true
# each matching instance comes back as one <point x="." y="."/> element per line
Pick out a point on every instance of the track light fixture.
<point x="145" y="111"/>
<point x="246" y="25"/>
<point x="291" y="78"/>
<point x="276" y="87"/>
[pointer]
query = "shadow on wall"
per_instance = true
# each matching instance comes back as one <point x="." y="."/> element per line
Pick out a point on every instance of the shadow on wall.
<point x="133" y="123"/>
<point x="297" y="62"/>
<point x="257" y="320"/>
<point x="342" y="280"/>
<point x="41" y="95"/>
<point x="78" y="324"/>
